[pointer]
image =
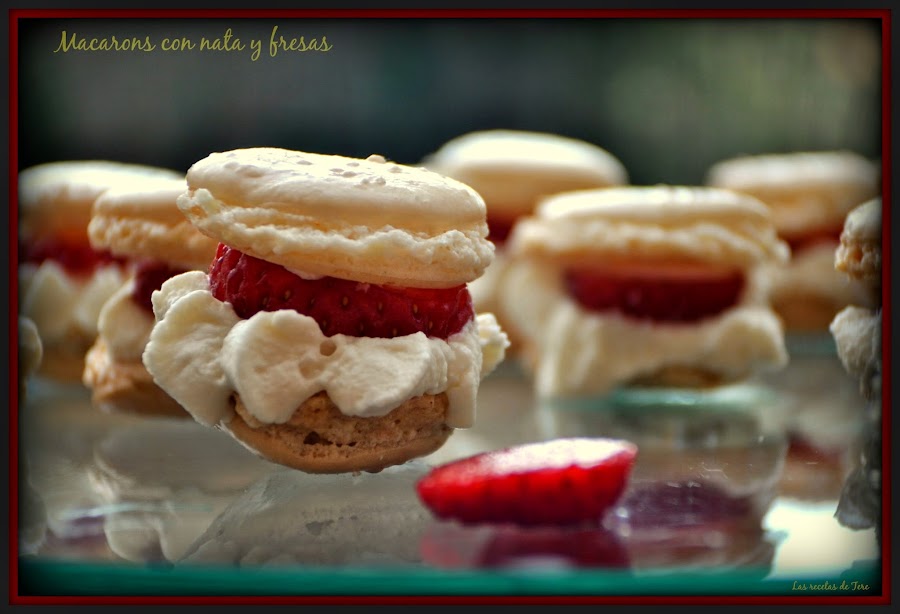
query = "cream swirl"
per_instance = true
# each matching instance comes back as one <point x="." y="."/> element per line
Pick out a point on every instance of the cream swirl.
<point x="201" y="352"/>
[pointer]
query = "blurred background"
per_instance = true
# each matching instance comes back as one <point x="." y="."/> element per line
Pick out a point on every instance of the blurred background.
<point x="668" y="97"/>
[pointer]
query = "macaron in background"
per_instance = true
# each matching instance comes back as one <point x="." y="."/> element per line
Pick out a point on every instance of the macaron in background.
<point x="512" y="170"/>
<point x="140" y="224"/>
<point x="809" y="194"/>
<point x="651" y="286"/>
<point x="63" y="281"/>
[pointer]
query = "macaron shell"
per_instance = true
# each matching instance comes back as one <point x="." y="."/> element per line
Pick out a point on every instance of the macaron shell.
<point x="142" y="221"/>
<point x="366" y="220"/>
<point x="57" y="197"/>
<point x="513" y="169"/>
<point x="806" y="190"/>
<point x="859" y="254"/>
<point x="318" y="439"/>
<point x="656" y="223"/>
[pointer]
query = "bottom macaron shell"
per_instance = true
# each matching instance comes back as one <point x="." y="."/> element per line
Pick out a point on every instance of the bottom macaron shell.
<point x="675" y="376"/>
<point x="804" y="312"/>
<point x="63" y="362"/>
<point x="125" y="387"/>
<point x="320" y="439"/>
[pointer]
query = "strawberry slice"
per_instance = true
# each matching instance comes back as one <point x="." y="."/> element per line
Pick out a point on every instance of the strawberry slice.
<point x="149" y="276"/>
<point x="339" y="306"/>
<point x="76" y="258"/>
<point x="661" y="297"/>
<point x="557" y="482"/>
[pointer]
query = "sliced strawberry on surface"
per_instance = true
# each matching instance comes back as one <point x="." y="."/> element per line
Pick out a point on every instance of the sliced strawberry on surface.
<point x="149" y="276"/>
<point x="663" y="298"/>
<point x="557" y="482"/>
<point x="339" y="306"/>
<point x="76" y="258"/>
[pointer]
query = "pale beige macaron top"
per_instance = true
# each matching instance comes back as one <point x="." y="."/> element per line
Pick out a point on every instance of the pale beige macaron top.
<point x="367" y="220"/>
<point x="140" y="220"/>
<point x="807" y="191"/>
<point x="55" y="198"/>
<point x="859" y="254"/>
<point x="513" y="169"/>
<point x="661" y="224"/>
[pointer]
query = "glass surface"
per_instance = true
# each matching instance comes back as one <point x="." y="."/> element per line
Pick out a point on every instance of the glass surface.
<point x="121" y="505"/>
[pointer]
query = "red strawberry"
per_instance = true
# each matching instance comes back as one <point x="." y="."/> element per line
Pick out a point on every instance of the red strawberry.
<point x="662" y="298"/>
<point x="339" y="306"/>
<point x="76" y="258"/>
<point x="499" y="228"/>
<point x="558" y="482"/>
<point x="150" y="276"/>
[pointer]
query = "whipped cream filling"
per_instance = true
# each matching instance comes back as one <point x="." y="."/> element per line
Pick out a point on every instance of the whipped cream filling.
<point x="811" y="272"/>
<point x="484" y="289"/>
<point x="124" y="326"/>
<point x="580" y="351"/>
<point x="64" y="306"/>
<point x="200" y="352"/>
<point x="857" y="334"/>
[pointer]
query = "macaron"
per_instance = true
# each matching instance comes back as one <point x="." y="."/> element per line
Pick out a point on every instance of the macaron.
<point x="859" y="253"/>
<point x="140" y="224"/>
<point x="513" y="170"/>
<point x="857" y="328"/>
<point x="810" y="194"/>
<point x="648" y="286"/>
<point x="57" y="265"/>
<point x="334" y="331"/>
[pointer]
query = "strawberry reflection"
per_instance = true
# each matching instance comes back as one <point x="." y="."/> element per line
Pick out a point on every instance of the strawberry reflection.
<point x="692" y="524"/>
<point x="657" y="526"/>
<point x="450" y="545"/>
<point x="660" y="505"/>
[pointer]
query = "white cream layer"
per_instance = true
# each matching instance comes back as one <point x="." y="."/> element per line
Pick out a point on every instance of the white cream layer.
<point x="200" y="352"/>
<point x="484" y="289"/>
<point x="64" y="306"/>
<point x="583" y="352"/>
<point x="124" y="326"/>
<point x="857" y="334"/>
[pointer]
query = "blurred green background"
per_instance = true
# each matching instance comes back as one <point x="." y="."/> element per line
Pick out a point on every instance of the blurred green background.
<point x="668" y="97"/>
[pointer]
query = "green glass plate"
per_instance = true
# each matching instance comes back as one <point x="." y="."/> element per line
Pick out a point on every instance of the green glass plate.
<point x="57" y="577"/>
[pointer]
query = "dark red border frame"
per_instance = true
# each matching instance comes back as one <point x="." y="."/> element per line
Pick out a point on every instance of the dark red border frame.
<point x="884" y="15"/>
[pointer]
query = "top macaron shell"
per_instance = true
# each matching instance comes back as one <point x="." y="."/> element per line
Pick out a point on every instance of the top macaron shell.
<point x="365" y="220"/>
<point x="806" y="190"/>
<point x="513" y="169"/>
<point x="655" y="223"/>
<point x="140" y="220"/>
<point x="56" y="198"/>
